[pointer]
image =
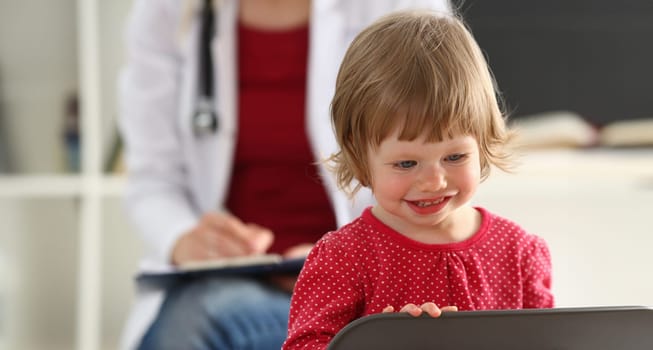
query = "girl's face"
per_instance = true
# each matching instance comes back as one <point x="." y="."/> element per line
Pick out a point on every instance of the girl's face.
<point x="422" y="188"/>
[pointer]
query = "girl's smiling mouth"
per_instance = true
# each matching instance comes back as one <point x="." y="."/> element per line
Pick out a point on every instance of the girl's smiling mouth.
<point x="428" y="206"/>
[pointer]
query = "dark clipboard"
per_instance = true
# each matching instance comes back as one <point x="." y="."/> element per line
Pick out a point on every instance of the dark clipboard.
<point x="580" y="328"/>
<point x="169" y="279"/>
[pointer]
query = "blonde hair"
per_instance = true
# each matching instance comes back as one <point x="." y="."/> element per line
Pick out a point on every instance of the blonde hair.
<point x="421" y="72"/>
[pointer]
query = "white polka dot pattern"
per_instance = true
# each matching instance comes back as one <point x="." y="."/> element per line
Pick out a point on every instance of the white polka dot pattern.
<point x="366" y="266"/>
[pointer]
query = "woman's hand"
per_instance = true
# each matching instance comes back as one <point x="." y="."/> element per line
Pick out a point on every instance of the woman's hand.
<point x="298" y="251"/>
<point x="415" y="311"/>
<point x="221" y="235"/>
<point x="287" y="283"/>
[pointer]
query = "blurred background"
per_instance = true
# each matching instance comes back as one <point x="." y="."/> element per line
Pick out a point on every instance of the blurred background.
<point x="67" y="251"/>
<point x="575" y="74"/>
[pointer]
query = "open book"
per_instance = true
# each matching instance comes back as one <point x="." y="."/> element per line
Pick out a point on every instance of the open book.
<point x="254" y="266"/>
<point x="568" y="129"/>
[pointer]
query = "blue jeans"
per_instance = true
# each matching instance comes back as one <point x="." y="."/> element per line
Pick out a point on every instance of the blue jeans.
<point x="220" y="313"/>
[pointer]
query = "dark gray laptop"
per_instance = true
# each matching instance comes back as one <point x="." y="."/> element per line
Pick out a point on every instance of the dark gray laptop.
<point x="588" y="328"/>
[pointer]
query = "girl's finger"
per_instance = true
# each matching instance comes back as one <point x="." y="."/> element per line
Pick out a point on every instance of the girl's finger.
<point x="449" y="308"/>
<point x="388" y="309"/>
<point x="432" y="309"/>
<point x="412" y="309"/>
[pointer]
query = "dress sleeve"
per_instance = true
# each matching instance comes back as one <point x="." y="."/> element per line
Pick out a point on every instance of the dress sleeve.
<point x="326" y="298"/>
<point x="536" y="274"/>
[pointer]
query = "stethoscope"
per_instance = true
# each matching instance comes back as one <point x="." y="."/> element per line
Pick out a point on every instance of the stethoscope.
<point x="205" y="118"/>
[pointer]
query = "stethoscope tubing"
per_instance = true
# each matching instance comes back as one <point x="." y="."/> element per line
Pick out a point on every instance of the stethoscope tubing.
<point x="205" y="117"/>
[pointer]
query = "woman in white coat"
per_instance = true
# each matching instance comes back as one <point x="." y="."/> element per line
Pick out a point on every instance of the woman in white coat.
<point x="233" y="184"/>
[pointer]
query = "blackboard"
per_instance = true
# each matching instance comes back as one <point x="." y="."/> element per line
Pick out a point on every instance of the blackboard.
<point x="593" y="57"/>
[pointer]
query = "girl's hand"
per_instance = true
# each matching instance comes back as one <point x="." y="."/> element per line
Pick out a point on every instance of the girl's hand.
<point x="415" y="311"/>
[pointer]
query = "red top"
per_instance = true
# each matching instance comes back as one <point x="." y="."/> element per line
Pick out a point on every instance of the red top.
<point x="365" y="266"/>
<point x="274" y="183"/>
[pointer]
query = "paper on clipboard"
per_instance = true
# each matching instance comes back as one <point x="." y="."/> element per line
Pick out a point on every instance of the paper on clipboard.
<point x="251" y="260"/>
<point x="251" y="266"/>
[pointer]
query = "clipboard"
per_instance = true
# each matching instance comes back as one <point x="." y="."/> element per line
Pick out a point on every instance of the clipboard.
<point x="573" y="328"/>
<point x="256" y="266"/>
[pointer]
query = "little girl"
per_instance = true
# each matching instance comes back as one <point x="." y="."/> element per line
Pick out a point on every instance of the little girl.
<point x="417" y="121"/>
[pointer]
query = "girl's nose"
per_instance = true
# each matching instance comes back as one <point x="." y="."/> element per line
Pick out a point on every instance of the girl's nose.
<point x="432" y="179"/>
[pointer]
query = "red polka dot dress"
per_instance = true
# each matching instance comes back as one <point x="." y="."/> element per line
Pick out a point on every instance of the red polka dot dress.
<point x="366" y="266"/>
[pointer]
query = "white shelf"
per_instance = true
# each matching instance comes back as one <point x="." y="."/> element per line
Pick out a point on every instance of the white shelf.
<point x="576" y="170"/>
<point x="39" y="186"/>
<point x="595" y="163"/>
<point x="113" y="185"/>
<point x="56" y="186"/>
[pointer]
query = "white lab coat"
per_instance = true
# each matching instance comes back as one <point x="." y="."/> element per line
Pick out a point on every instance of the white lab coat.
<point x="174" y="175"/>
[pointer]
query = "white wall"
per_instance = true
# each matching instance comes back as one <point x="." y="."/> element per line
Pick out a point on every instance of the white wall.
<point x="594" y="210"/>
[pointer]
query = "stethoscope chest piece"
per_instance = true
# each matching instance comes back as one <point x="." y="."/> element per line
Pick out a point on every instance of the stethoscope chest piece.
<point x="205" y="120"/>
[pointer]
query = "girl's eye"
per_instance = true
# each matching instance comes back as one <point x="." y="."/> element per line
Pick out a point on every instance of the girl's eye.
<point x="455" y="157"/>
<point x="405" y="164"/>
